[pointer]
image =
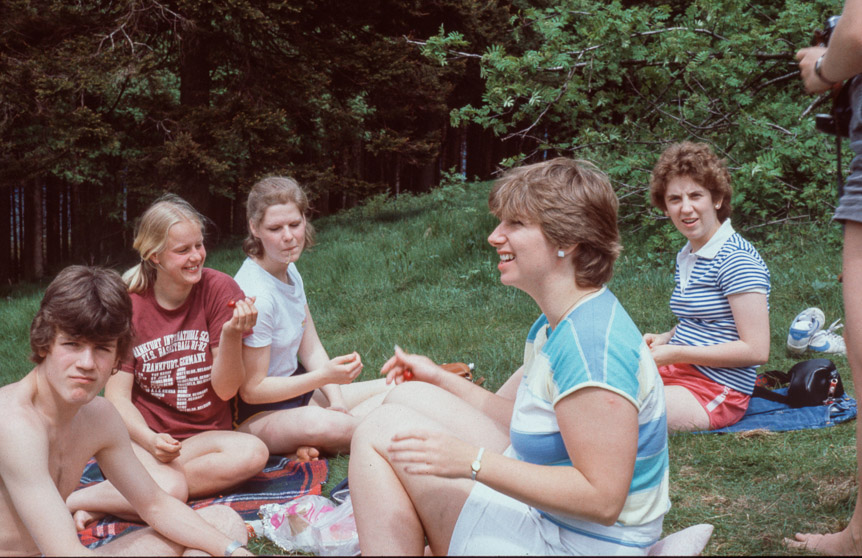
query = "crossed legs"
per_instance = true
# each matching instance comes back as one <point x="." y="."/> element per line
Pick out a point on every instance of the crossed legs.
<point x="208" y="463"/>
<point x="313" y="428"/>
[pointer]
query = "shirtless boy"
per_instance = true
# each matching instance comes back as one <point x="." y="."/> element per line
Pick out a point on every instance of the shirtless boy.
<point x="54" y="423"/>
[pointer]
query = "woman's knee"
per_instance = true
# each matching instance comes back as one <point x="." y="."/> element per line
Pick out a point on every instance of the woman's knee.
<point x="379" y="425"/>
<point x="174" y="483"/>
<point x="257" y="452"/>
<point x="246" y="450"/>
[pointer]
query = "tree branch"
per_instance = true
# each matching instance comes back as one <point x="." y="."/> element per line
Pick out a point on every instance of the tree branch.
<point x="456" y="52"/>
<point x="562" y="92"/>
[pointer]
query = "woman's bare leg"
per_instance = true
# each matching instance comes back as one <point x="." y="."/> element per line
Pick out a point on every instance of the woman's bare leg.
<point x="848" y="541"/>
<point x="684" y="411"/>
<point x="219" y="459"/>
<point x="360" y="397"/>
<point x="456" y="415"/>
<point x="394" y="510"/>
<point x="289" y="430"/>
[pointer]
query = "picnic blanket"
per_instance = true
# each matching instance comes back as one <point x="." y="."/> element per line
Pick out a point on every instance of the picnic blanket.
<point x="763" y="414"/>
<point x="281" y="480"/>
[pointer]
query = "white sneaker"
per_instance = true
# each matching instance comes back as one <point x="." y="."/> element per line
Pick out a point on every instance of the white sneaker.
<point x="804" y="326"/>
<point x="827" y="341"/>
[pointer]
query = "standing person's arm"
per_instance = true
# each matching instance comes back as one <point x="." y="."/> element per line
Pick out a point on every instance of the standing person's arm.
<point x="118" y="391"/>
<point x="228" y="372"/>
<point x="841" y="59"/>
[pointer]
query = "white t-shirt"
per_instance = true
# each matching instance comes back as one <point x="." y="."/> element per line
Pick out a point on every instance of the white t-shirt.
<point x="280" y="314"/>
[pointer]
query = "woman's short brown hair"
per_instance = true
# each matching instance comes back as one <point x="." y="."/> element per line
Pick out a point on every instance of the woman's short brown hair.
<point x="697" y="162"/>
<point x="573" y="203"/>
<point x="274" y="190"/>
<point x="89" y="303"/>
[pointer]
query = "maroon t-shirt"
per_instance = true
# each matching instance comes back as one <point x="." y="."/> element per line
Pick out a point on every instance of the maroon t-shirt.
<point x="172" y="357"/>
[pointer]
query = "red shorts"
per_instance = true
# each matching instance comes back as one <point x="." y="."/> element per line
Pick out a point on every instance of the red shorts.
<point x="723" y="405"/>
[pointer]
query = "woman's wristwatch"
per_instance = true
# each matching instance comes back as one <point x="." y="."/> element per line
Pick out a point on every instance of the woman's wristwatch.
<point x="232" y="547"/>
<point x="819" y="72"/>
<point x="477" y="464"/>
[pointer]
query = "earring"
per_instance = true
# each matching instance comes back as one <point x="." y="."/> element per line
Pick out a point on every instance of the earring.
<point x="718" y="206"/>
<point x="561" y="254"/>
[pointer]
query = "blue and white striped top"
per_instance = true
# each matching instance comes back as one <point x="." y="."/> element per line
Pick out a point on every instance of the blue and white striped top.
<point x="596" y="345"/>
<point x="726" y="265"/>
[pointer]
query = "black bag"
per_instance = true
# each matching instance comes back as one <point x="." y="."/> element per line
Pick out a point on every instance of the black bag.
<point x="811" y="382"/>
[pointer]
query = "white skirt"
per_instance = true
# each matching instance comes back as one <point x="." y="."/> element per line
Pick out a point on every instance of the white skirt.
<point x="493" y="524"/>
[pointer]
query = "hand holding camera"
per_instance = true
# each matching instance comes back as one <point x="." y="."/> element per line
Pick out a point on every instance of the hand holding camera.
<point x="837" y="122"/>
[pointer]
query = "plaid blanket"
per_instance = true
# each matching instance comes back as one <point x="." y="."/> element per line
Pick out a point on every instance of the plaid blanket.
<point x="281" y="480"/>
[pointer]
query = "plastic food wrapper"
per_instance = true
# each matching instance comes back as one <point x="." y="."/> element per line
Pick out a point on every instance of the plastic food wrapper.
<point x="312" y="524"/>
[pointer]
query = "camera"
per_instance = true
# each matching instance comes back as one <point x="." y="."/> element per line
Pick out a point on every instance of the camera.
<point x="837" y="122"/>
<point x="821" y="36"/>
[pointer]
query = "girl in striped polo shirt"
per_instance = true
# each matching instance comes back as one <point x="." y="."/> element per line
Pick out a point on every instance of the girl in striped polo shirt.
<point x="708" y="361"/>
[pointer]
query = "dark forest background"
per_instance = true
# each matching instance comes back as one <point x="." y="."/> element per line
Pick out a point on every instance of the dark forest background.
<point x="105" y="105"/>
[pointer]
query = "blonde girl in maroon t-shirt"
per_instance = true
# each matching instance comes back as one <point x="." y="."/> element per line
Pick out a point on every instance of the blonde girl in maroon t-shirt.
<point x="185" y="367"/>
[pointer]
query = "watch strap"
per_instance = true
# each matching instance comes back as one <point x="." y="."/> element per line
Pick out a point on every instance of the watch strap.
<point x="819" y="71"/>
<point x="477" y="464"/>
<point x="232" y="547"/>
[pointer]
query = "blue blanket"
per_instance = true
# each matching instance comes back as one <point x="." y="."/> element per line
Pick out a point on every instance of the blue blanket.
<point x="780" y="417"/>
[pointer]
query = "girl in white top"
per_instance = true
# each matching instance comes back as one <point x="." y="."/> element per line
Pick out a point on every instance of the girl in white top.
<point x="294" y="397"/>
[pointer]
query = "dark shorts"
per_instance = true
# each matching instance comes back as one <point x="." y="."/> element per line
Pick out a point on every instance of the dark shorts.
<point x="850" y="205"/>
<point x="243" y="411"/>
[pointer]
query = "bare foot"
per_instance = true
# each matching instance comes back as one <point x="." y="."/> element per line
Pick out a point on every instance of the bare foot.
<point x="83" y="518"/>
<point x="842" y="543"/>
<point x="307" y="453"/>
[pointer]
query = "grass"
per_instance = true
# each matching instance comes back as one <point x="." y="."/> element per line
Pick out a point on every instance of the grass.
<point x="418" y="272"/>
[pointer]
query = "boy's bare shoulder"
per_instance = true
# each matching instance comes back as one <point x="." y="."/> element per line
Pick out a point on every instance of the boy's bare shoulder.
<point x="101" y="414"/>
<point x="99" y="419"/>
<point x="22" y="427"/>
<point x="17" y="404"/>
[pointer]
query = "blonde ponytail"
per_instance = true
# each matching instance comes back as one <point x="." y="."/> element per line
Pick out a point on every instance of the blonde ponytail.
<point x="138" y="278"/>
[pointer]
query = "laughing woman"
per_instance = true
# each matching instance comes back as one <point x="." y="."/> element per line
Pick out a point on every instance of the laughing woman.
<point x="709" y="360"/>
<point x="577" y="463"/>
<point x="174" y="393"/>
